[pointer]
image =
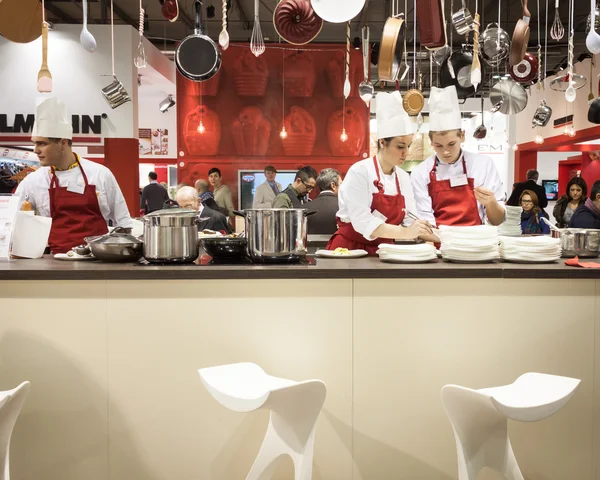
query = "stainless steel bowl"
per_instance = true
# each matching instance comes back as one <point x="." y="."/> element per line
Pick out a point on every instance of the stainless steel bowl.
<point x="578" y="242"/>
<point x="114" y="247"/>
<point x="276" y="234"/>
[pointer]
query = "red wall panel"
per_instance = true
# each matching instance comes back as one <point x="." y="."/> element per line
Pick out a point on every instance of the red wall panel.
<point x="242" y="112"/>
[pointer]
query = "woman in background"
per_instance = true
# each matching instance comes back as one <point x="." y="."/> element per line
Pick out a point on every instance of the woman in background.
<point x="566" y="205"/>
<point x="531" y="222"/>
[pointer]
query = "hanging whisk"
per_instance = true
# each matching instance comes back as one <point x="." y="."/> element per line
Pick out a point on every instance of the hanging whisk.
<point x="557" y="31"/>
<point x="257" y="42"/>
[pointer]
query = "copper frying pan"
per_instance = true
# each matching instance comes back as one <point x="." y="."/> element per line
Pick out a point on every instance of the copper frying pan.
<point x="520" y="37"/>
<point x="391" y="49"/>
<point x="21" y="20"/>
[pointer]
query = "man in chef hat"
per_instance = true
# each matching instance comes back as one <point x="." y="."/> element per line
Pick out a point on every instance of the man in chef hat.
<point x="376" y="194"/>
<point x="454" y="187"/>
<point x="79" y="195"/>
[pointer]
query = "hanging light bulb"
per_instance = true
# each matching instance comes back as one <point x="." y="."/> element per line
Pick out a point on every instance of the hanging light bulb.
<point x="201" y="129"/>
<point x="283" y="134"/>
<point x="571" y="131"/>
<point x="343" y="136"/>
<point x="539" y="139"/>
<point x="515" y="147"/>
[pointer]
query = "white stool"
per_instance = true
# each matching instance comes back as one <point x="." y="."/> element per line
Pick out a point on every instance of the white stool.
<point x="479" y="419"/>
<point x="294" y="406"/>
<point x="11" y="403"/>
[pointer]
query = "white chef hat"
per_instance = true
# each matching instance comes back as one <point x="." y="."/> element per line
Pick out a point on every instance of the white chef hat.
<point x="444" y="111"/>
<point x="392" y="119"/>
<point x="52" y="120"/>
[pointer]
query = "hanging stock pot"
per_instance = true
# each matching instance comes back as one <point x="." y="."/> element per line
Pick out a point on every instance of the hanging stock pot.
<point x="494" y="45"/>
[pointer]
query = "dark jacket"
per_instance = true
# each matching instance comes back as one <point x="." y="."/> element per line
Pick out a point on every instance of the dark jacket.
<point x="6" y="184"/>
<point x="323" y="222"/>
<point x="212" y="220"/>
<point x="212" y="204"/>
<point x="559" y="211"/>
<point x="528" y="185"/>
<point x="154" y="196"/>
<point x="288" y="199"/>
<point x="532" y="224"/>
<point x="584" y="217"/>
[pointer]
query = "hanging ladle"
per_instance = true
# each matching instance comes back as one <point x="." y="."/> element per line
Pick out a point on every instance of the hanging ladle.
<point x="480" y="132"/>
<point x="365" y="89"/>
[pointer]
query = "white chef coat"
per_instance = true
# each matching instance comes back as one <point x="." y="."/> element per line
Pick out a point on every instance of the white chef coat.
<point x="479" y="167"/>
<point x="356" y="194"/>
<point x="110" y="198"/>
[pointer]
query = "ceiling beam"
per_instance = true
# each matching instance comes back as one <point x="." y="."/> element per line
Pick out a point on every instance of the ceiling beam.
<point x="54" y="10"/>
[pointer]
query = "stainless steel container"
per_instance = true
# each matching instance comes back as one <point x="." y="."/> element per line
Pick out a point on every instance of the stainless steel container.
<point x="578" y="242"/>
<point x="276" y="234"/>
<point x="113" y="247"/>
<point x="171" y="236"/>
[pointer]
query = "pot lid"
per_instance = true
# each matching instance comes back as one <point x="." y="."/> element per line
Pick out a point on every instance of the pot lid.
<point x="173" y="212"/>
<point x="114" y="239"/>
<point x="337" y="11"/>
<point x="296" y="22"/>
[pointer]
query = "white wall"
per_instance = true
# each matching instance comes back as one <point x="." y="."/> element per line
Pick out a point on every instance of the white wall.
<point x="151" y="117"/>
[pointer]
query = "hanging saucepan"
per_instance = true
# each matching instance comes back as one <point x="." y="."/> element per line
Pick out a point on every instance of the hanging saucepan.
<point x="494" y="45"/>
<point x="460" y="62"/>
<point x="463" y="20"/>
<point x="197" y="57"/>
<point x="526" y="70"/>
<point x="391" y="49"/>
<point x="542" y="115"/>
<point x="520" y="37"/>
<point x="508" y="97"/>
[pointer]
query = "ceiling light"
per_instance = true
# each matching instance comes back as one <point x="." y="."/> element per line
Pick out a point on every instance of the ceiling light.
<point x="166" y="104"/>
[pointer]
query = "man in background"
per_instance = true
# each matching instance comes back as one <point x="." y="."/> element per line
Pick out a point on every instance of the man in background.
<point x="326" y="204"/>
<point x="293" y="196"/>
<point x="187" y="197"/>
<point x="206" y="196"/>
<point x="154" y="195"/>
<point x="266" y="192"/>
<point x="530" y="184"/>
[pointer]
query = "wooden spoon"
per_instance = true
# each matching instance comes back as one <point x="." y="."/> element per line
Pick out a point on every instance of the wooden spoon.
<point x="44" y="83"/>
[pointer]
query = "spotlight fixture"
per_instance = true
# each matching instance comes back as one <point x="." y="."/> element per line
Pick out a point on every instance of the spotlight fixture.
<point x="166" y="104"/>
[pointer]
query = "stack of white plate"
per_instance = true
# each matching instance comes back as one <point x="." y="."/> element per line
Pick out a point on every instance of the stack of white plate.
<point x="410" y="253"/>
<point x="530" y="249"/>
<point x="477" y="244"/>
<point x="512" y="226"/>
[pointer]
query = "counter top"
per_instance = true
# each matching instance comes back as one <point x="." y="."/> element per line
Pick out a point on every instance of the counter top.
<point x="48" y="268"/>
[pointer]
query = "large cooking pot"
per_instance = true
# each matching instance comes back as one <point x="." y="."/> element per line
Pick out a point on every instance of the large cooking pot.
<point x="116" y="246"/>
<point x="578" y="242"/>
<point x="276" y="234"/>
<point x="171" y="236"/>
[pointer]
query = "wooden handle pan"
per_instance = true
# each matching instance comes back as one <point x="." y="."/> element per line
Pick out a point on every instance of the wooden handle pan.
<point x="391" y="50"/>
<point x="520" y="38"/>
<point x="21" y="20"/>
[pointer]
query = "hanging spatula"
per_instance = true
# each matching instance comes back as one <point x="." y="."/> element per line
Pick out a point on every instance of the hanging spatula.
<point x="44" y="83"/>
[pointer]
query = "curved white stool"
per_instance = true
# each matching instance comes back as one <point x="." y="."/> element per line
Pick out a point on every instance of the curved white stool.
<point x="294" y="406"/>
<point x="11" y="403"/>
<point x="479" y="419"/>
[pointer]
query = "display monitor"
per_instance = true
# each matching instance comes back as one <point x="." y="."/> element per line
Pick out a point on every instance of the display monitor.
<point x="551" y="188"/>
<point x="250" y="180"/>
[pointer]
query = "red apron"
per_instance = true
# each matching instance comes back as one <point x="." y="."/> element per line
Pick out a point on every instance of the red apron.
<point x="391" y="206"/>
<point x="454" y="206"/>
<point x="74" y="215"/>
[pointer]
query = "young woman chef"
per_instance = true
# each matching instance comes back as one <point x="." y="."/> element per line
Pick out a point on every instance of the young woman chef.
<point x="454" y="187"/>
<point x="79" y="195"/>
<point x="375" y="192"/>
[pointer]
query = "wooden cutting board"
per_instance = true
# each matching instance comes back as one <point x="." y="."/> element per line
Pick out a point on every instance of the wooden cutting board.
<point x="21" y="20"/>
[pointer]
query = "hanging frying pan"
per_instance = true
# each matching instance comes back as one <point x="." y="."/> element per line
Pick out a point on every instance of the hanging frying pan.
<point x="391" y="49"/>
<point x="520" y="37"/>
<point x="197" y="57"/>
<point x="21" y="20"/>
<point x="460" y="62"/>
<point x="526" y="70"/>
<point x="508" y="97"/>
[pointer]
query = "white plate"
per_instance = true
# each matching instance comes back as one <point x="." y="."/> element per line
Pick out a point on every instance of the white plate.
<point x="406" y="260"/>
<point x="75" y="257"/>
<point x="351" y="254"/>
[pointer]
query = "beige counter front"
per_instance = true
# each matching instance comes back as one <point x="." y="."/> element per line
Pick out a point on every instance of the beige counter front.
<point x="116" y="395"/>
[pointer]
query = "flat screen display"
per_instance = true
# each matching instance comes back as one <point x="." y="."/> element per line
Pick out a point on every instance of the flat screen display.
<point x="551" y="188"/>
<point x="250" y="180"/>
